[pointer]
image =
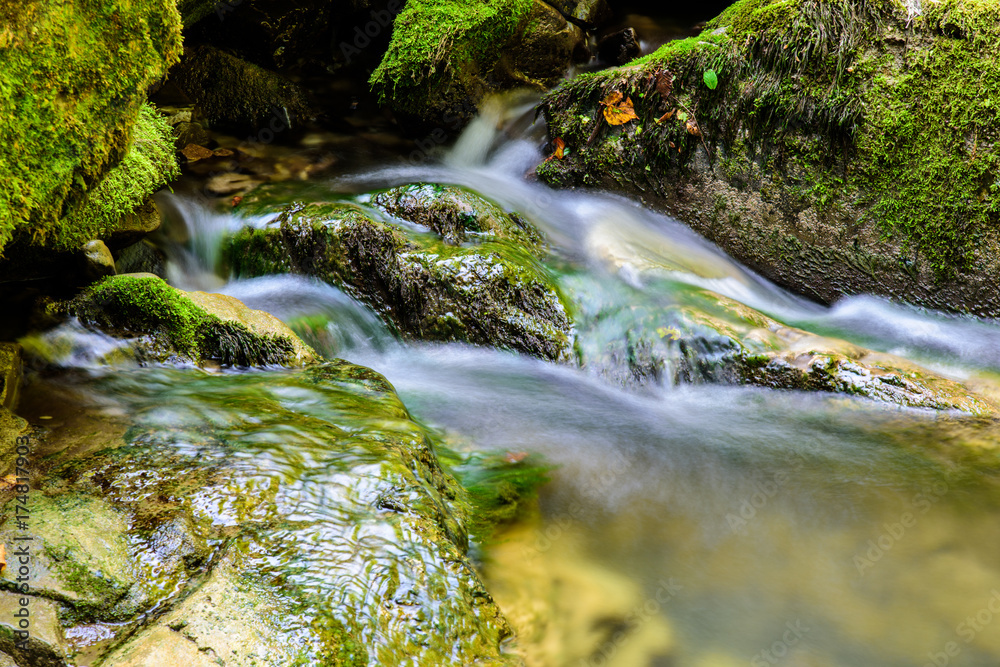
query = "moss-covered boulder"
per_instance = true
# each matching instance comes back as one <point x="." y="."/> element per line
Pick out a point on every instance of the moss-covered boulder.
<point x="837" y="147"/>
<point x="168" y="324"/>
<point x="238" y="94"/>
<point x="489" y="290"/>
<point x="280" y="518"/>
<point x="446" y="55"/>
<point x="72" y="83"/>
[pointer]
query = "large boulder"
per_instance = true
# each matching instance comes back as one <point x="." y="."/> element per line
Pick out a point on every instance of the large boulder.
<point x="237" y="94"/>
<point x="72" y="83"/>
<point x="447" y="55"/>
<point x="472" y="274"/>
<point x="836" y="147"/>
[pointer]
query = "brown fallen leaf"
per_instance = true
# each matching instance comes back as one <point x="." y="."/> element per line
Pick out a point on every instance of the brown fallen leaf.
<point x="8" y="482"/>
<point x="664" y="83"/>
<point x="692" y="128"/>
<point x="194" y="152"/>
<point x="666" y="116"/>
<point x="620" y="113"/>
<point x="236" y="201"/>
<point x="516" y="457"/>
<point x="3" y="557"/>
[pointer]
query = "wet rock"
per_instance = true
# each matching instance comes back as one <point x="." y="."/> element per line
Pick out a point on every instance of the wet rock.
<point x="87" y="558"/>
<point x="239" y="94"/>
<point x="619" y="48"/>
<point x="45" y="645"/>
<point x="11" y="374"/>
<point x="345" y="544"/>
<point x="489" y="47"/>
<point x="143" y="257"/>
<point x="493" y="292"/>
<point x="455" y="214"/>
<point x="97" y="261"/>
<point x="230" y="617"/>
<point x="828" y="160"/>
<point x="190" y="133"/>
<point x="710" y="338"/>
<point x="132" y="227"/>
<point x="169" y="324"/>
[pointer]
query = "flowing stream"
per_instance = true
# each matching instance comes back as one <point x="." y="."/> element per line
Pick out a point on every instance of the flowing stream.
<point x="693" y="525"/>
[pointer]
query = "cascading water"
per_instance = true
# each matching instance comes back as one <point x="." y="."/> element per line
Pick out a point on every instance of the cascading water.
<point x="686" y="525"/>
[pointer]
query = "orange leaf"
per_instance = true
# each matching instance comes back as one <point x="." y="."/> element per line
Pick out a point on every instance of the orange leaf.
<point x="666" y="116"/>
<point x="560" y="147"/>
<point x="3" y="556"/>
<point x="613" y="98"/>
<point x="692" y="128"/>
<point x="620" y="114"/>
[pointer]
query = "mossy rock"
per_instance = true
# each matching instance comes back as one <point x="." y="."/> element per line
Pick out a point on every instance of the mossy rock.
<point x="846" y="147"/>
<point x="237" y="94"/>
<point x="335" y="537"/>
<point x="119" y="210"/>
<point x="459" y="216"/>
<point x="72" y="83"/>
<point x="87" y="557"/>
<point x="491" y="292"/>
<point x="171" y="325"/>
<point x="447" y="55"/>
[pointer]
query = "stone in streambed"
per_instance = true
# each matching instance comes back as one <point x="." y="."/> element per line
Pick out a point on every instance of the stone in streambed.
<point x="491" y="290"/>
<point x="165" y="323"/>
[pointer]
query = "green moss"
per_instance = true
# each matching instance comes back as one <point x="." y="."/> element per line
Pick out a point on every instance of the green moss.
<point x="145" y="305"/>
<point x="852" y="102"/>
<point x="234" y="92"/>
<point x="436" y="43"/>
<point x="148" y="165"/>
<point x="72" y="80"/>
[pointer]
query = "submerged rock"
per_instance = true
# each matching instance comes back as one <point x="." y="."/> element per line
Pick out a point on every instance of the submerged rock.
<point x="258" y="519"/>
<point x="490" y="290"/>
<point x="705" y="337"/>
<point x="165" y="323"/>
<point x="835" y="147"/>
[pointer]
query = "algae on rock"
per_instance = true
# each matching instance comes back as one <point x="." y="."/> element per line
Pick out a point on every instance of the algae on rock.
<point x="287" y="518"/>
<point x="850" y="146"/>
<point x="490" y="290"/>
